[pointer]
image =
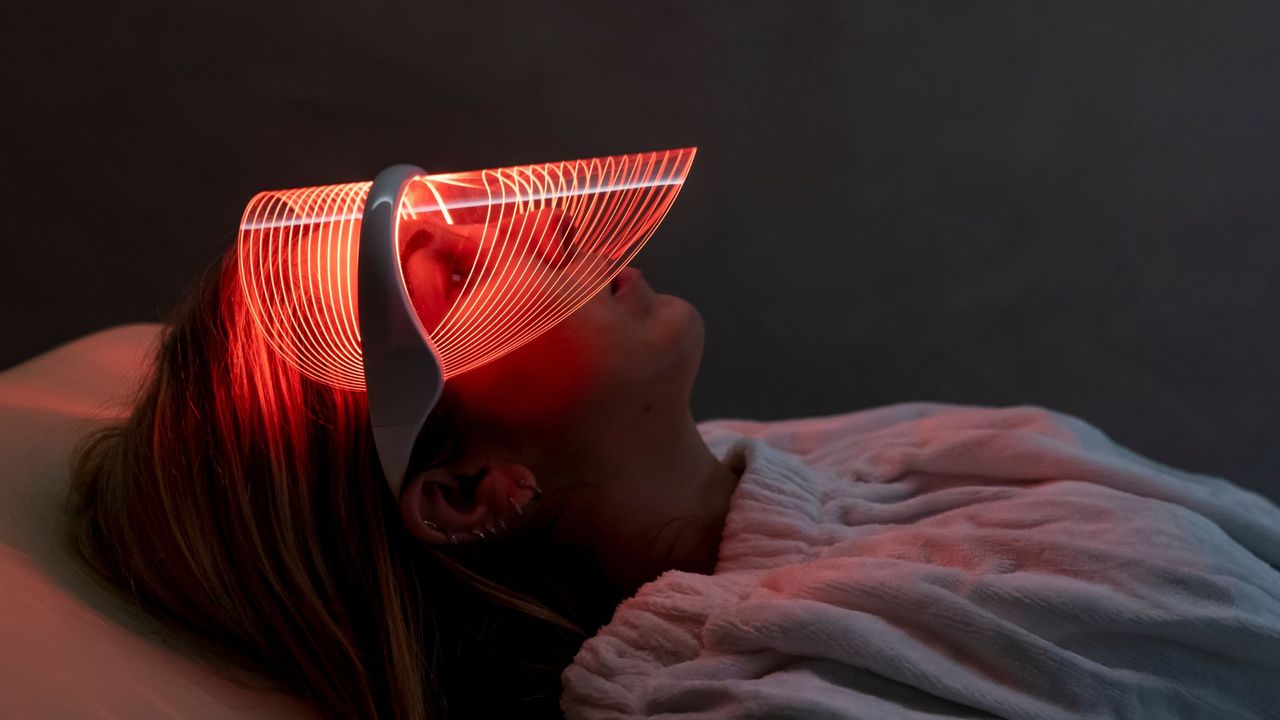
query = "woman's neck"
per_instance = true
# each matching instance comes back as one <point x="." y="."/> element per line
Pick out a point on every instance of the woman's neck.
<point x="667" y="512"/>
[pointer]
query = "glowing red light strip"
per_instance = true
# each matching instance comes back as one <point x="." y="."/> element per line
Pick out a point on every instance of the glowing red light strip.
<point x="339" y="276"/>
<point x="310" y="317"/>
<point x="493" y="321"/>
<point x="456" y="325"/>
<point x="353" y="199"/>
<point x="538" y="317"/>
<point x="297" y="267"/>
<point x="535" y="316"/>
<point x="444" y="210"/>
<point x="553" y="234"/>
<point x="619" y="207"/>
<point x="303" y="263"/>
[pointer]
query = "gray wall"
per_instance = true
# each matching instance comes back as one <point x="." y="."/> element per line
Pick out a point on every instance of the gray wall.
<point x="1073" y="205"/>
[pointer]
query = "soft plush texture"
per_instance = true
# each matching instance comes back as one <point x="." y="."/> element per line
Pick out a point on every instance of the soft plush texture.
<point x="69" y="648"/>
<point x="926" y="560"/>
<point x="910" y="561"/>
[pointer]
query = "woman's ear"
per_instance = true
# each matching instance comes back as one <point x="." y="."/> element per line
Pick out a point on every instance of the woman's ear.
<point x="457" y="504"/>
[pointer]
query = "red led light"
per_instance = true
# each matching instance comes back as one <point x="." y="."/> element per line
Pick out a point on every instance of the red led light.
<point x="539" y="242"/>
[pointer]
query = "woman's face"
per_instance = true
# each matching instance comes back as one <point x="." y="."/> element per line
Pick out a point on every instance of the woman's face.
<point x="624" y="359"/>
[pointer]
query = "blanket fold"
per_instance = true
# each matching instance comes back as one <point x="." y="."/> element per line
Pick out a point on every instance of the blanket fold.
<point x="928" y="560"/>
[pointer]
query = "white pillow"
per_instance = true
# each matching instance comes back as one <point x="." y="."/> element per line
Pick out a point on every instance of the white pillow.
<point x="68" y="647"/>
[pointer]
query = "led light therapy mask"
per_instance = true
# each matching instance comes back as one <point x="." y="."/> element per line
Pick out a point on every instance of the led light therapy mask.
<point x="394" y="286"/>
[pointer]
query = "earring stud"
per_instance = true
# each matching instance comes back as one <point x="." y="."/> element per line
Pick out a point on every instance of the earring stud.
<point x="537" y="492"/>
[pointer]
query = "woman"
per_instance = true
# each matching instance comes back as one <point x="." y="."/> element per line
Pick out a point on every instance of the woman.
<point x="242" y="502"/>
<point x="919" y="560"/>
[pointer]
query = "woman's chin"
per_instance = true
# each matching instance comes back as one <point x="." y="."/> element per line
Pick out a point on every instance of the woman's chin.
<point x="678" y="333"/>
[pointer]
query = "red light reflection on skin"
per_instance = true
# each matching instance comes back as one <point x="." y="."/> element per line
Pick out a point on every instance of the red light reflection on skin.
<point x="491" y="258"/>
<point x="439" y="261"/>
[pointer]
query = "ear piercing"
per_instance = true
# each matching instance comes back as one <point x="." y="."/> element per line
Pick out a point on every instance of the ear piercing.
<point x="537" y="493"/>
<point x="521" y="483"/>
<point x="448" y="533"/>
<point x="490" y="526"/>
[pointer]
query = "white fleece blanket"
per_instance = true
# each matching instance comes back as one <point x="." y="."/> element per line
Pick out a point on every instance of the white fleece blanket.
<point x="929" y="560"/>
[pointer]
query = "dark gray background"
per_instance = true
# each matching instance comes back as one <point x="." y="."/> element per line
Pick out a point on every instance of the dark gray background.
<point x="1070" y="204"/>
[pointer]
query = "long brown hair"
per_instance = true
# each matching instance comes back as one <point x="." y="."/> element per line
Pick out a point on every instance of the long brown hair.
<point x="242" y="503"/>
